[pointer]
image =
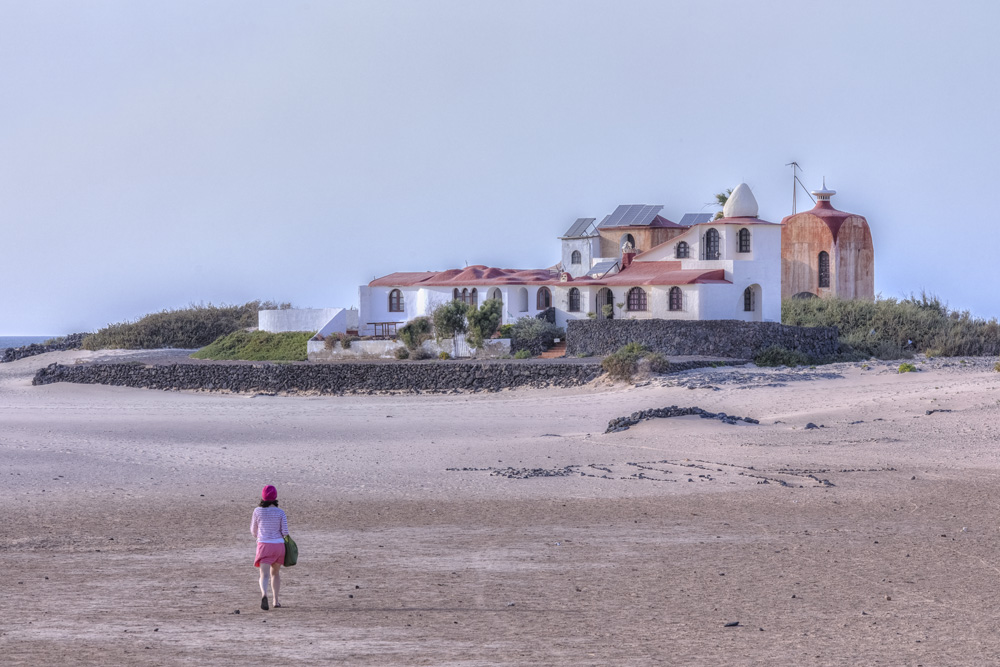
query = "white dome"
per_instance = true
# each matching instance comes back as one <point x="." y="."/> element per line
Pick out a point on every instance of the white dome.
<point x="741" y="203"/>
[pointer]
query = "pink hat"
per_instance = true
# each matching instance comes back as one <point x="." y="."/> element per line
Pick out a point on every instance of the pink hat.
<point x="269" y="493"/>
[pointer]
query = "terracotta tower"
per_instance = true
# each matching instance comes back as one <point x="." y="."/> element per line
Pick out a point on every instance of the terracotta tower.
<point x="826" y="252"/>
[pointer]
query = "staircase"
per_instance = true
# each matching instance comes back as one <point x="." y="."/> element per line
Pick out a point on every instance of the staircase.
<point x="555" y="352"/>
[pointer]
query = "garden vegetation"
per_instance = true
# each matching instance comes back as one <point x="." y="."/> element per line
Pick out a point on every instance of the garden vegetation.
<point x="895" y="329"/>
<point x="186" y="328"/>
<point x="628" y="360"/>
<point x="257" y="346"/>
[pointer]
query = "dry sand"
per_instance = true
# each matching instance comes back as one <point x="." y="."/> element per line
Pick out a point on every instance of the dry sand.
<point x="126" y="539"/>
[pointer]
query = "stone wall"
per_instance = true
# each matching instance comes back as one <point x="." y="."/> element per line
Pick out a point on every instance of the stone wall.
<point x="70" y="342"/>
<point x="723" y="338"/>
<point x="337" y="378"/>
<point x="328" y="378"/>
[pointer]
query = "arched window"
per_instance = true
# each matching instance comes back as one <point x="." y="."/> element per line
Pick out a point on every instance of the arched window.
<point x="456" y="295"/>
<point x="711" y="245"/>
<point x="395" y="301"/>
<point x="574" y="300"/>
<point x="474" y="298"/>
<point x="744" y="238"/>
<point x="576" y="258"/>
<point x="682" y="250"/>
<point x="748" y="300"/>
<point x="544" y="299"/>
<point x="824" y="269"/>
<point x="637" y="299"/>
<point x="676" y="299"/>
<point x="522" y="299"/>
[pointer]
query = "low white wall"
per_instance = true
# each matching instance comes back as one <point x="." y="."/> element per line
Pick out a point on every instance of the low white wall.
<point x="386" y="349"/>
<point x="322" y="320"/>
<point x="295" y="319"/>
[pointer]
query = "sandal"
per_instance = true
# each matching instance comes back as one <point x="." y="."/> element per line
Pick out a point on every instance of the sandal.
<point x="263" y="603"/>
<point x="277" y="605"/>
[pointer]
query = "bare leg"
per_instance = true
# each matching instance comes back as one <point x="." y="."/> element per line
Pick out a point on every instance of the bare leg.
<point x="264" y="581"/>
<point x="275" y="581"/>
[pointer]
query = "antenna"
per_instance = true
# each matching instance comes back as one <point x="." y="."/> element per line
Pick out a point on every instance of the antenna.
<point x="795" y="179"/>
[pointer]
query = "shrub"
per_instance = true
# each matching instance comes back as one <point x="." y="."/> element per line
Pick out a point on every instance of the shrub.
<point x="907" y="367"/>
<point x="893" y="329"/>
<point x="443" y="355"/>
<point x="534" y="335"/>
<point x="483" y="321"/>
<point x="524" y="354"/>
<point x="258" y="346"/>
<point x="420" y="354"/>
<point x="402" y="353"/>
<point x="780" y="356"/>
<point x="505" y="330"/>
<point x="191" y="327"/>
<point x="623" y="363"/>
<point x="415" y="332"/>
<point x="449" y="319"/>
<point x="657" y="362"/>
<point x="335" y="337"/>
<point x="996" y="367"/>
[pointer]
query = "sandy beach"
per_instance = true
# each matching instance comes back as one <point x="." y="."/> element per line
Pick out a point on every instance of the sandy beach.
<point x="508" y="528"/>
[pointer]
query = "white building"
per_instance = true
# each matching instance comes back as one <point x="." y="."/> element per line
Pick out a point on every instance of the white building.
<point x="713" y="269"/>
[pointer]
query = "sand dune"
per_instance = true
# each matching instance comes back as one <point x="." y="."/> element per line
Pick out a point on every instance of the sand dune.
<point x="509" y="529"/>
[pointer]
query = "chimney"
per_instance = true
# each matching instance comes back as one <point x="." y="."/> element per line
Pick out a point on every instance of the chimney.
<point x="628" y="252"/>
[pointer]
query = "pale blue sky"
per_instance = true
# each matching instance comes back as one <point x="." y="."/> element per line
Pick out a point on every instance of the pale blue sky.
<point x="158" y="153"/>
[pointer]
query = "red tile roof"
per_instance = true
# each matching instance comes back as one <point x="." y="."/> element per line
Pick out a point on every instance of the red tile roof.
<point x="639" y="273"/>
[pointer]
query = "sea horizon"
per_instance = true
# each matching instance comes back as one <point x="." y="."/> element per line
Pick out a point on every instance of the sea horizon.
<point x="19" y="341"/>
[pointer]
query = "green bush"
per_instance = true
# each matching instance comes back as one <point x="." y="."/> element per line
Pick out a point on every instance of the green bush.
<point x="402" y="353"/>
<point x="505" y="330"/>
<point x="449" y="319"/>
<point x="657" y="362"/>
<point x="996" y="367"/>
<point x="444" y="356"/>
<point x="893" y="329"/>
<point x="415" y="332"/>
<point x="522" y="354"/>
<point x="907" y="367"/>
<point x="195" y="326"/>
<point x="483" y="322"/>
<point x="632" y="358"/>
<point x="345" y="340"/>
<point x="534" y="335"/>
<point x="257" y="346"/>
<point x="780" y="356"/>
<point x="420" y="354"/>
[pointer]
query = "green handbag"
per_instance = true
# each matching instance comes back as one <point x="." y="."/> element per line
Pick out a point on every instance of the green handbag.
<point x="291" y="551"/>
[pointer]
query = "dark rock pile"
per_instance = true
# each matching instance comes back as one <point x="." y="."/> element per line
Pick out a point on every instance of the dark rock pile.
<point x="70" y="342"/>
<point x="624" y="423"/>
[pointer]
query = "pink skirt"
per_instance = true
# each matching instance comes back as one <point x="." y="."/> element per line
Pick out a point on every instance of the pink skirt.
<point x="268" y="553"/>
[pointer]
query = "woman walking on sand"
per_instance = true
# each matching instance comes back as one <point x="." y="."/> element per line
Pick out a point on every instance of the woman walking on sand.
<point x="269" y="525"/>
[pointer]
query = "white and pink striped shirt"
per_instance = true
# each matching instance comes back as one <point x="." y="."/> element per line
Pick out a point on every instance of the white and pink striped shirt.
<point x="269" y="525"/>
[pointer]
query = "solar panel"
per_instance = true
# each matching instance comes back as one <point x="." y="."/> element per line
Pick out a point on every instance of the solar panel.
<point x="580" y="228"/>
<point x="628" y="215"/>
<point x="601" y="268"/>
<point x="696" y="218"/>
